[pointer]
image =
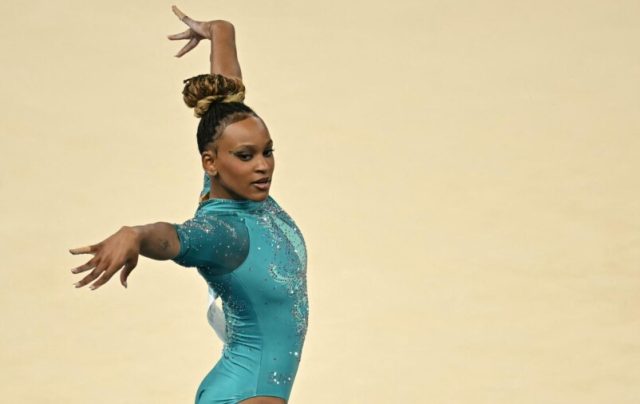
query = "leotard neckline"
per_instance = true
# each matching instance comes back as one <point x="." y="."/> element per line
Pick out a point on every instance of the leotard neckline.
<point x="234" y="204"/>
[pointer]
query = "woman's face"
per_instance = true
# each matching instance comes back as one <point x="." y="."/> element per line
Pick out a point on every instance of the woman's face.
<point x="244" y="156"/>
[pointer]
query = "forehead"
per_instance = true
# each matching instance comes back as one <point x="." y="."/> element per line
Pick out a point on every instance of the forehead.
<point x="249" y="131"/>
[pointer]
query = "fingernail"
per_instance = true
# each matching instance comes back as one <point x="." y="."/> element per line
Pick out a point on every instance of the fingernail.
<point x="92" y="287"/>
<point x="125" y="285"/>
<point x="77" y="284"/>
<point x="74" y="270"/>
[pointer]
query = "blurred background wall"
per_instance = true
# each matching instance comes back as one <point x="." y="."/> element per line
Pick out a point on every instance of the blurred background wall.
<point x="465" y="175"/>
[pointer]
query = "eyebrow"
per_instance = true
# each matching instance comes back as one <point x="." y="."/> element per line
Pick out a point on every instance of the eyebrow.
<point x="269" y="143"/>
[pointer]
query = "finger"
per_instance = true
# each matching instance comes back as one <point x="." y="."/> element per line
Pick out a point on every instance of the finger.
<point x="183" y="35"/>
<point x="90" y="249"/>
<point x="90" y="264"/>
<point x="197" y="26"/>
<point x="178" y="13"/>
<point x="190" y="45"/>
<point x="128" y="267"/>
<point x="106" y="275"/>
<point x="92" y="275"/>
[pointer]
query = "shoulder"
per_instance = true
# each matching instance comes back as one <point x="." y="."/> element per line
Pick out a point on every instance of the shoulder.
<point x="214" y="220"/>
<point x="272" y="204"/>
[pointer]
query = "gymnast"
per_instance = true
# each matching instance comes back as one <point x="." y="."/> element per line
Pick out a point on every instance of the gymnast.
<point x="249" y="251"/>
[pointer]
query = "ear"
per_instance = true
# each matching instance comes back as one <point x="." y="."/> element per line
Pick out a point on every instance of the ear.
<point x="209" y="162"/>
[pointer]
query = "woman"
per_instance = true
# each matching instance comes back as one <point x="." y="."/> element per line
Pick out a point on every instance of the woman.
<point x="249" y="251"/>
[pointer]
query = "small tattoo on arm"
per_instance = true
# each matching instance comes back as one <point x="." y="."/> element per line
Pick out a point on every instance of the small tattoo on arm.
<point x="164" y="244"/>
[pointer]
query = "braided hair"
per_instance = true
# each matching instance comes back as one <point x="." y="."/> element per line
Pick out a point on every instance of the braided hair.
<point x="218" y="101"/>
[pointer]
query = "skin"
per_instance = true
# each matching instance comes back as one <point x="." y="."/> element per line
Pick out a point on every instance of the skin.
<point x="221" y="33"/>
<point x="241" y="155"/>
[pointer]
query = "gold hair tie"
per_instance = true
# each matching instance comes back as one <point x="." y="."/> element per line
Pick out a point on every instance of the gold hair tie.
<point x="237" y="97"/>
<point x="202" y="106"/>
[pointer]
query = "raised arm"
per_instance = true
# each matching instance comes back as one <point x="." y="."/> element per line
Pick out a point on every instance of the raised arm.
<point x="158" y="241"/>
<point x="221" y="33"/>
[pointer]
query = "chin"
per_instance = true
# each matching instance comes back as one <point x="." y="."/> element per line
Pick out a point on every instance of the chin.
<point x="256" y="196"/>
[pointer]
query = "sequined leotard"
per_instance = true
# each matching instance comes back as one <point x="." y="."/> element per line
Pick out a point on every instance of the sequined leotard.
<point x="253" y="256"/>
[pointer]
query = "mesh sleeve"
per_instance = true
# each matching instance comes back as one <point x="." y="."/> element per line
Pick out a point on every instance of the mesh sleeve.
<point x="218" y="244"/>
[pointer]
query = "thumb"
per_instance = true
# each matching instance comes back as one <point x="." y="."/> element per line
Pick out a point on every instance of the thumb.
<point x="128" y="267"/>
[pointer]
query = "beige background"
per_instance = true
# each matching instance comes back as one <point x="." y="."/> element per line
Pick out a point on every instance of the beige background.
<point x="465" y="174"/>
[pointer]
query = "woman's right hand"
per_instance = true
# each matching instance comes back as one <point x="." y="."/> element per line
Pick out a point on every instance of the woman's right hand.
<point x="197" y="31"/>
<point x="109" y="256"/>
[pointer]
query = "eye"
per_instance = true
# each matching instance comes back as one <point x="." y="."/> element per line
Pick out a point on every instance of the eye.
<point x="268" y="152"/>
<point x="244" y="156"/>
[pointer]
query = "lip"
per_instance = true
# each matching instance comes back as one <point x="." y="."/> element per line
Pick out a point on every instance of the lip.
<point x="262" y="184"/>
<point x="262" y="180"/>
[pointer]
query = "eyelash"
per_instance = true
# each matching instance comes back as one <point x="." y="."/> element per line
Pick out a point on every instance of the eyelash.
<point x="242" y="156"/>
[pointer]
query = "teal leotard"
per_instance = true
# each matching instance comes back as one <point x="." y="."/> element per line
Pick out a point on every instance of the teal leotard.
<point x="253" y="256"/>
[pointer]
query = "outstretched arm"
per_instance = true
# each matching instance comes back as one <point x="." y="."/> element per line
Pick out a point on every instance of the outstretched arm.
<point x="157" y="240"/>
<point x="221" y="33"/>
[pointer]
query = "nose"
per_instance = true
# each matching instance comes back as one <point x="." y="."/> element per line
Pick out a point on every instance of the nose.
<point x="262" y="164"/>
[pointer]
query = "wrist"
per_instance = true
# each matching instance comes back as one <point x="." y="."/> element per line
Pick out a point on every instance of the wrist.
<point x="217" y="26"/>
<point x="135" y="232"/>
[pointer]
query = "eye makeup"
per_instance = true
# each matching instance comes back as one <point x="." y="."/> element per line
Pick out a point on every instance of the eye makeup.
<point x="246" y="153"/>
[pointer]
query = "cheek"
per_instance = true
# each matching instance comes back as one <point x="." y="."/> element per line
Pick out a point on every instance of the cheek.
<point x="239" y="171"/>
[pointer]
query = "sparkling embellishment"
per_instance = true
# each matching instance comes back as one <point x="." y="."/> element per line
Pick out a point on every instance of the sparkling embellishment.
<point x="279" y="378"/>
<point x="271" y="286"/>
<point x="293" y="275"/>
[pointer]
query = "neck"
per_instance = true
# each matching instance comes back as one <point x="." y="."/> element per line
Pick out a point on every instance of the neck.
<point x="219" y="192"/>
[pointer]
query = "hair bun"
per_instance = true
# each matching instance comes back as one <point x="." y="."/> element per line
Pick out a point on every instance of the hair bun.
<point x="205" y="89"/>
